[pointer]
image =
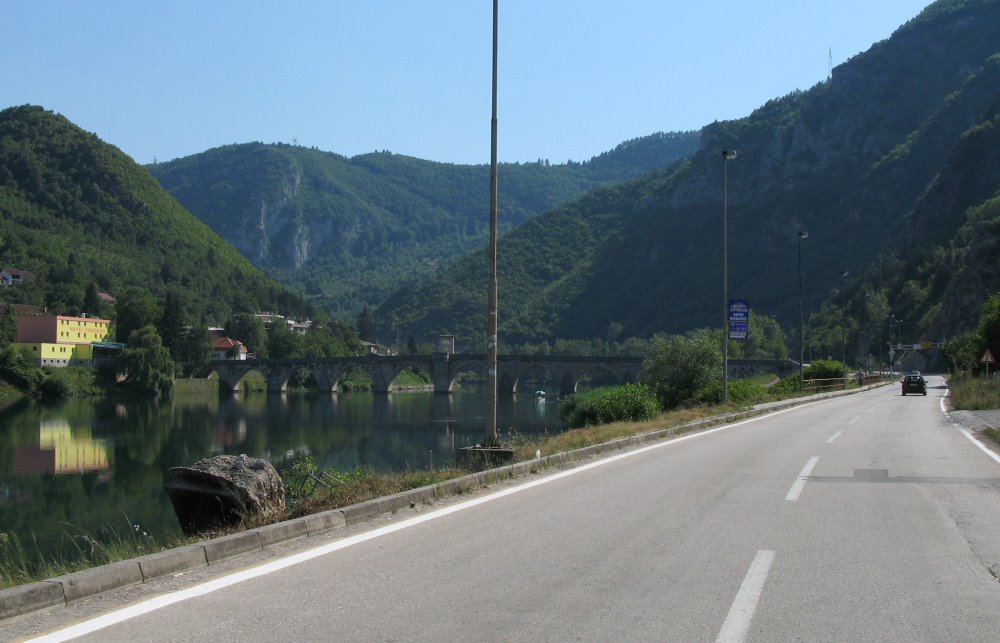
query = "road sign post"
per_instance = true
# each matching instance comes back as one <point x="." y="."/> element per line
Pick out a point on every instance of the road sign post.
<point x="987" y="359"/>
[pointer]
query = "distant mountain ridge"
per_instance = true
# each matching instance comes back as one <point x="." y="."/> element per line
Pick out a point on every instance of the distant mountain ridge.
<point x="854" y="161"/>
<point x="76" y="212"/>
<point x="348" y="231"/>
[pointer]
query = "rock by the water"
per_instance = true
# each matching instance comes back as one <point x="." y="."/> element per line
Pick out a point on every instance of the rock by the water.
<point x="223" y="490"/>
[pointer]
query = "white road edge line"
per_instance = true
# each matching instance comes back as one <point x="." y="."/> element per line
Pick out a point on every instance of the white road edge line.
<point x="985" y="449"/>
<point x="737" y="623"/>
<point x="165" y="600"/>
<point x="834" y="437"/>
<point x="800" y="483"/>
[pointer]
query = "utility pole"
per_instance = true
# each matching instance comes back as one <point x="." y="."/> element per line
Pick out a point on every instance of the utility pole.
<point x="492" y="325"/>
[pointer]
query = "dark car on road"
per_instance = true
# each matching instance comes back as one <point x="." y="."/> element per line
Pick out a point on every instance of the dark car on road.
<point x="914" y="383"/>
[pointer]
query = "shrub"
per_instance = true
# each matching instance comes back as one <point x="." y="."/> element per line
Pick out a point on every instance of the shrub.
<point x="746" y="392"/>
<point x="55" y="387"/>
<point x="823" y="369"/>
<point x="631" y="402"/>
<point x="676" y="367"/>
<point x="19" y="372"/>
<point x="740" y="392"/>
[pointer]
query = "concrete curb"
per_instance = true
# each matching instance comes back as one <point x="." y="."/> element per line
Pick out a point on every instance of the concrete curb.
<point x="69" y="588"/>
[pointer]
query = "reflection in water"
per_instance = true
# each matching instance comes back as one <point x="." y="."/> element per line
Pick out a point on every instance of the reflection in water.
<point x="89" y="466"/>
<point x="60" y="450"/>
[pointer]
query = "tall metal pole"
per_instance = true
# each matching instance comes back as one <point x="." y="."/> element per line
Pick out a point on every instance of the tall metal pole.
<point x="802" y="235"/>
<point x="843" y="332"/>
<point x="727" y="155"/>
<point x="492" y="325"/>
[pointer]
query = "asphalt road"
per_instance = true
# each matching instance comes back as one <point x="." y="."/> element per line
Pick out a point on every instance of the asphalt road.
<point x="864" y="518"/>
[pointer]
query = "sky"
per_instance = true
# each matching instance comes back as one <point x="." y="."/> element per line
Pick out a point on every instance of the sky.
<point x="163" y="80"/>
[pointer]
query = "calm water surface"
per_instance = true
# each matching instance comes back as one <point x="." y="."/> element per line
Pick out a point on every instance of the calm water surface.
<point x="78" y="468"/>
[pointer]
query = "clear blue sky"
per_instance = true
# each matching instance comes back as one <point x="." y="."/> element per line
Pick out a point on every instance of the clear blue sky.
<point x="172" y="78"/>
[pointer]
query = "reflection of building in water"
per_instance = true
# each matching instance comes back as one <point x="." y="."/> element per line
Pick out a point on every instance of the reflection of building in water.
<point x="227" y="435"/>
<point x="59" y="451"/>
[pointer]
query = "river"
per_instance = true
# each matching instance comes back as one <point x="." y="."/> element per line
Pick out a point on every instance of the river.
<point x="73" y="471"/>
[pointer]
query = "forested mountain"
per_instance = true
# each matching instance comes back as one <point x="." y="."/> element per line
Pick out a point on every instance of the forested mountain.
<point x="348" y="231"/>
<point x="891" y="158"/>
<point x="78" y="213"/>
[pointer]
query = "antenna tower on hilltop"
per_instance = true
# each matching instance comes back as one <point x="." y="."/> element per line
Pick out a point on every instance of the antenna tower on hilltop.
<point x="829" y="69"/>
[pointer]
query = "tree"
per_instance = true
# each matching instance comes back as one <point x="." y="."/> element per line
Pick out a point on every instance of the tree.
<point x="135" y="308"/>
<point x="677" y="367"/>
<point x="366" y="330"/>
<point x="92" y="300"/>
<point x="8" y="327"/>
<point x="146" y="363"/>
<point x="989" y="325"/>
<point x="250" y="330"/>
<point x="195" y="350"/>
<point x="282" y="343"/>
<point x="366" y="326"/>
<point x="411" y="346"/>
<point x="172" y="324"/>
<point x="963" y="352"/>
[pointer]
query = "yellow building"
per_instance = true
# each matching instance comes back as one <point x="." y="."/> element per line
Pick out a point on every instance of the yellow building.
<point x="57" y="340"/>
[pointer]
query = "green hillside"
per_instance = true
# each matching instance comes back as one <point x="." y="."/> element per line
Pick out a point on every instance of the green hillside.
<point x="76" y="212"/>
<point x="349" y="231"/>
<point x="856" y="161"/>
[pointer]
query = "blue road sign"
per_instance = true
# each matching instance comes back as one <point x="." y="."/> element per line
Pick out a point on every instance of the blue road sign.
<point x="739" y="318"/>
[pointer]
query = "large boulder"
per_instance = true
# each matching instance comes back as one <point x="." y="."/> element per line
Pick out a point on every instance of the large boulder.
<point x="224" y="490"/>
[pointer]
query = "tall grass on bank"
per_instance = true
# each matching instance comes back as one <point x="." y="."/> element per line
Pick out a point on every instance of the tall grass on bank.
<point x="310" y="490"/>
<point x="21" y="563"/>
<point x="970" y="393"/>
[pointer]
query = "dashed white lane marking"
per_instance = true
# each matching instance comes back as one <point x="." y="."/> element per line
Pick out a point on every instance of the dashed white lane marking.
<point x="151" y="605"/>
<point x="854" y="419"/>
<point x="737" y="623"/>
<point x="834" y="437"/>
<point x="793" y="493"/>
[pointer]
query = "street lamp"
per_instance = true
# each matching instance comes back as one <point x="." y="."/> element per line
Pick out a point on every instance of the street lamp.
<point x="843" y="332"/>
<point x="802" y="235"/>
<point x="727" y="155"/>
<point x="894" y="322"/>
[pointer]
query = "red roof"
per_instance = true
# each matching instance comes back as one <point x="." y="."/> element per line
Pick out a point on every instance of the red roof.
<point x="224" y="343"/>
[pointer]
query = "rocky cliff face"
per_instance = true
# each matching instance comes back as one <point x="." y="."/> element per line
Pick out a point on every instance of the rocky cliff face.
<point x="348" y="231"/>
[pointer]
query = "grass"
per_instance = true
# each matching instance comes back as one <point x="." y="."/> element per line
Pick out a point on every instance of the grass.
<point x="969" y="393"/>
<point x="19" y="564"/>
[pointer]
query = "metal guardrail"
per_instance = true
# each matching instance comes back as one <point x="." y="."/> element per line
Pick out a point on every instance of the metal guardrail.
<point x="843" y="383"/>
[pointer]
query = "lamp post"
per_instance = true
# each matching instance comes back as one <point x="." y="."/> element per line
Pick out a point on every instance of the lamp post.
<point x="894" y="322"/>
<point x="727" y="155"/>
<point x="802" y="235"/>
<point x="843" y="332"/>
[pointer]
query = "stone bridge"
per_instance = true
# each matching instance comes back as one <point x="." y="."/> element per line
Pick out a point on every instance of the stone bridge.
<point x="443" y="368"/>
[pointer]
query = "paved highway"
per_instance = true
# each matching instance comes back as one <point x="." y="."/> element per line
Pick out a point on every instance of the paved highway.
<point x="864" y="518"/>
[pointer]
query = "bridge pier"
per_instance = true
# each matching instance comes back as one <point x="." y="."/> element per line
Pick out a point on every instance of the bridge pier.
<point x="441" y="374"/>
<point x="327" y="377"/>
